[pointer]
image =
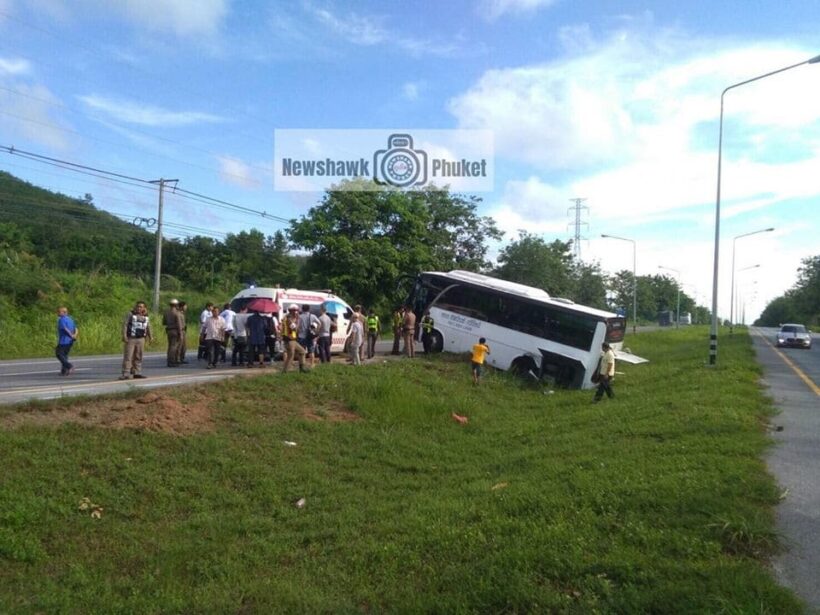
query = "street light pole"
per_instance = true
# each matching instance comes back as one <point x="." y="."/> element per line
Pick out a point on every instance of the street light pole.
<point x="714" y="329"/>
<point x="677" y="317"/>
<point x="634" y="278"/>
<point x="732" y="313"/>
<point x="734" y="286"/>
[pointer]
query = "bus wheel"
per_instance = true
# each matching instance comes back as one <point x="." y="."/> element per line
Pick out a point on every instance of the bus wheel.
<point x="436" y="342"/>
<point x="524" y="367"/>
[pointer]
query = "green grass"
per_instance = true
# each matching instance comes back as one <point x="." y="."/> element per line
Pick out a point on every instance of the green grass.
<point x="657" y="501"/>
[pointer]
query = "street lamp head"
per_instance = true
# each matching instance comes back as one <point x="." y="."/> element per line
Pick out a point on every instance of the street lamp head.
<point x="814" y="60"/>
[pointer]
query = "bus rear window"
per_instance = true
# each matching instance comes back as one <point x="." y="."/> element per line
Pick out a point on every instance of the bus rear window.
<point x="615" y="328"/>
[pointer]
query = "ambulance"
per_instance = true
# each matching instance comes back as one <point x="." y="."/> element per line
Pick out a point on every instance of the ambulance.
<point x="337" y="308"/>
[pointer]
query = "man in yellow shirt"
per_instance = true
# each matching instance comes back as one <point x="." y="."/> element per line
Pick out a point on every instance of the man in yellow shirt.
<point x="480" y="350"/>
<point x="606" y="373"/>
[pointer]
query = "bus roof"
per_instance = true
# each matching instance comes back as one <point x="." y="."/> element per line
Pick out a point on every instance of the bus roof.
<point x="521" y="290"/>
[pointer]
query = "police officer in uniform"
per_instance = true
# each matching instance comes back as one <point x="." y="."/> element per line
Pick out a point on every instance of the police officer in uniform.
<point x="290" y="333"/>
<point x="135" y="332"/>
<point x="373" y="330"/>
<point x="398" y="321"/>
<point x="427" y="324"/>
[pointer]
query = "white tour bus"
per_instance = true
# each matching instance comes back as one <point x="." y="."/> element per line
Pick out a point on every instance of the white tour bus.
<point x="337" y="308"/>
<point x="526" y="329"/>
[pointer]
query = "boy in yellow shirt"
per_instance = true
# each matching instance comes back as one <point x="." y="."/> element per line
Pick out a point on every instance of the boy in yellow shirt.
<point x="480" y="350"/>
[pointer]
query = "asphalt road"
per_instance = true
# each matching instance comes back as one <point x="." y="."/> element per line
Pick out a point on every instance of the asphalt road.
<point x="793" y="379"/>
<point x="27" y="379"/>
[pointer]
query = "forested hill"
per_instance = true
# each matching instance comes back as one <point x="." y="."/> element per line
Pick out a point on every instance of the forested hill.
<point x="69" y="233"/>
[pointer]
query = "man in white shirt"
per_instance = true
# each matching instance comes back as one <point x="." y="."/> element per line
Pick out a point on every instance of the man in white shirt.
<point x="203" y="316"/>
<point x="227" y="315"/>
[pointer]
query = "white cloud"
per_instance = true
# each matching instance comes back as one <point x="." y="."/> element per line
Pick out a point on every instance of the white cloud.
<point x="493" y="9"/>
<point x="28" y="113"/>
<point x="235" y="171"/>
<point x="410" y="90"/>
<point x="146" y="115"/>
<point x="368" y="31"/>
<point x="181" y="17"/>
<point x="14" y="66"/>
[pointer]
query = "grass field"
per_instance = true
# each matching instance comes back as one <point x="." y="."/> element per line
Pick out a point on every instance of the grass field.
<point x="657" y="501"/>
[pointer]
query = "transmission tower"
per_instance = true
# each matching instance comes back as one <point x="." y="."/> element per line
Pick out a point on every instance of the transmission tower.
<point x="576" y="242"/>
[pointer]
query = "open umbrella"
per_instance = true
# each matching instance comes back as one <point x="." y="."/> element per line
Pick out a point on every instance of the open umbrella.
<point x="263" y="305"/>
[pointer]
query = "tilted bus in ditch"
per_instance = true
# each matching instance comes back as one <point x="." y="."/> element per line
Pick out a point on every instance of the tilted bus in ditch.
<point x="528" y="331"/>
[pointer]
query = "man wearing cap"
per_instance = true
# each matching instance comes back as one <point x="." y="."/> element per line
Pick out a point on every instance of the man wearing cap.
<point x="174" y="327"/>
<point x="290" y="333"/>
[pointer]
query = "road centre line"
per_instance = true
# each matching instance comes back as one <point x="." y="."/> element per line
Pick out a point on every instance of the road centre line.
<point x="794" y="367"/>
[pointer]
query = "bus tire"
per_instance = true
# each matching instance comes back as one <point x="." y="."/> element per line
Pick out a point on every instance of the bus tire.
<point x="523" y="367"/>
<point x="436" y="341"/>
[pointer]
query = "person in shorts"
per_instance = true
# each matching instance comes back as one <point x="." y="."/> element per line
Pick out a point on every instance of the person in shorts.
<point x="480" y="351"/>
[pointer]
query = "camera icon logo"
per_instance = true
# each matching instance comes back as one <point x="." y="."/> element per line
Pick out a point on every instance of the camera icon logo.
<point x="400" y="165"/>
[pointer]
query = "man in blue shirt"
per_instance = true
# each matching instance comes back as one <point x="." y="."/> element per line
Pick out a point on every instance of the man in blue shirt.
<point x="66" y="334"/>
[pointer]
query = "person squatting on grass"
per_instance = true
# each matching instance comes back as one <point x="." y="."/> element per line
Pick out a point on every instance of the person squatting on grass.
<point x="605" y="373"/>
<point x="480" y="350"/>
<point x="66" y="335"/>
<point x="136" y="332"/>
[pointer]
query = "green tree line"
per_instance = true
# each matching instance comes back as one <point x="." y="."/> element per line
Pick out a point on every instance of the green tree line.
<point x="801" y="303"/>
<point x="359" y="240"/>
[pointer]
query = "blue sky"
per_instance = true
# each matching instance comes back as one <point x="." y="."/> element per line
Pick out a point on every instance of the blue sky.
<point x="617" y="103"/>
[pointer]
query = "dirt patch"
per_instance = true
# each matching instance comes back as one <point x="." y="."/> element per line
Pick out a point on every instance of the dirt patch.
<point x="152" y="412"/>
<point x="334" y="413"/>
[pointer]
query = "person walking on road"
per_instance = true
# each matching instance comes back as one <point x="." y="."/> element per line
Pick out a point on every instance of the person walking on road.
<point x="290" y="333"/>
<point x="66" y="335"/>
<point x="409" y="331"/>
<point x="239" y="350"/>
<point x="214" y="333"/>
<point x="427" y="324"/>
<point x="606" y="373"/>
<point x="373" y="330"/>
<point x="136" y="332"/>
<point x="398" y="320"/>
<point x="173" y="323"/>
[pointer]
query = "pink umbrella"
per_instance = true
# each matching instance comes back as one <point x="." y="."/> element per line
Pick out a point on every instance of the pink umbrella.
<point x="263" y="305"/>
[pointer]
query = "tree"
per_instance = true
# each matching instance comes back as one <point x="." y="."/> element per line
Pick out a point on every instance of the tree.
<point x="532" y="261"/>
<point x="362" y="238"/>
<point x="590" y="285"/>
<point x="801" y="303"/>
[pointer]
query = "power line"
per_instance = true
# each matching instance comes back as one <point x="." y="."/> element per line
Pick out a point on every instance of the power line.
<point x="135" y="181"/>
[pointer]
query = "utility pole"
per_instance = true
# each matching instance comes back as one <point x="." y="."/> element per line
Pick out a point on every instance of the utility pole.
<point x="158" y="259"/>
<point x="576" y="242"/>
